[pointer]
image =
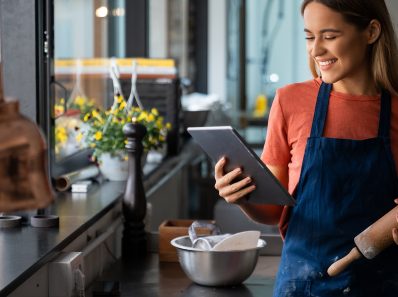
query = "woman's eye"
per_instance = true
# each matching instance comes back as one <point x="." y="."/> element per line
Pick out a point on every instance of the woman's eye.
<point x="309" y="37"/>
<point x="330" y="37"/>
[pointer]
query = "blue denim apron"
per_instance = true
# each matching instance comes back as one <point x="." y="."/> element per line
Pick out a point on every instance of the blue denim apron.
<point x="345" y="185"/>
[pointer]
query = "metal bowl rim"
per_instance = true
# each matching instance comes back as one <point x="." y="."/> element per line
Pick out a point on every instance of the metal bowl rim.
<point x="260" y="244"/>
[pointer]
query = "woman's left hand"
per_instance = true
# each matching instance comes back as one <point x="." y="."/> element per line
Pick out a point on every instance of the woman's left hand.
<point x="395" y="230"/>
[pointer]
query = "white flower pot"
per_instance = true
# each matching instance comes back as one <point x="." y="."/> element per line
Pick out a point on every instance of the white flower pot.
<point x="114" y="168"/>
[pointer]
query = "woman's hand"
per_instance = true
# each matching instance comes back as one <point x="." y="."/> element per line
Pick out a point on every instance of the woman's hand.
<point x="231" y="192"/>
<point x="395" y="230"/>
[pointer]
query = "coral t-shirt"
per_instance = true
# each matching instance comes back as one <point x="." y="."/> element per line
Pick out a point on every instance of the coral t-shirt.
<point x="290" y="120"/>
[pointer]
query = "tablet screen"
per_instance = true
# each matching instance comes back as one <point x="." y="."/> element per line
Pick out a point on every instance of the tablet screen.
<point x="220" y="141"/>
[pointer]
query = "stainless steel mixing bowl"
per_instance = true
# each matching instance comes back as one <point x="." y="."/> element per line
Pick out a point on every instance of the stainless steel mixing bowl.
<point x="216" y="268"/>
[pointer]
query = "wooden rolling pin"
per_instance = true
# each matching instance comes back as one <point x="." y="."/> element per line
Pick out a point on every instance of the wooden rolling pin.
<point x="370" y="242"/>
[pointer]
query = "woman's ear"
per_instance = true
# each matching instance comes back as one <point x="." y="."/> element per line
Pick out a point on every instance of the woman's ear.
<point x="374" y="31"/>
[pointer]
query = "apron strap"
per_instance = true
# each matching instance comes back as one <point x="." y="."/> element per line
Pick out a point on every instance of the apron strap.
<point x="321" y="109"/>
<point x="385" y="114"/>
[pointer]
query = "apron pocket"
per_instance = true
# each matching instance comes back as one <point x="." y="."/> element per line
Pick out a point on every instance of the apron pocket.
<point x="295" y="288"/>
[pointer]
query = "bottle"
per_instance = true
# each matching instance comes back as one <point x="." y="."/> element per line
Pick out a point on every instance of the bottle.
<point x="261" y="106"/>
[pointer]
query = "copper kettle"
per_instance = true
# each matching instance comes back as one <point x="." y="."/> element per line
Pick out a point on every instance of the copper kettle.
<point x="24" y="178"/>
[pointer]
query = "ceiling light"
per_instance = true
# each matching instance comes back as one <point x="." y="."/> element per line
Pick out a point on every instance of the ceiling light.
<point x="101" y="12"/>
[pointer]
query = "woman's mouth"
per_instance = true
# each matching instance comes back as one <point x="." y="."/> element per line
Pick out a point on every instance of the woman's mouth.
<point x="326" y="64"/>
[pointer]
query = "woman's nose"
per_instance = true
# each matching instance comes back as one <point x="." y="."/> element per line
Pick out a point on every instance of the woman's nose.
<point x="317" y="48"/>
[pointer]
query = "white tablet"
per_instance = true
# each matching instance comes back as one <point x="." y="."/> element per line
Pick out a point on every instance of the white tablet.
<point x="220" y="141"/>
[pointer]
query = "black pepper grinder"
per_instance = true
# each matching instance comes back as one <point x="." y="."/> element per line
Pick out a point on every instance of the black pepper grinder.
<point x="134" y="242"/>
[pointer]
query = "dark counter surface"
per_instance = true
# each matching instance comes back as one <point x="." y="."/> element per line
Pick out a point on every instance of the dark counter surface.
<point x="150" y="278"/>
<point x="25" y="249"/>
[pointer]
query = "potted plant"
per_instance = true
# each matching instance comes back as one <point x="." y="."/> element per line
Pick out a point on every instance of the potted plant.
<point x="105" y="134"/>
<point x="68" y="122"/>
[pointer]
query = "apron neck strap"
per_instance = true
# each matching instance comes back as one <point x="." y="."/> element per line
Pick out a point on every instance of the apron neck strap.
<point x="385" y="114"/>
<point x="321" y="110"/>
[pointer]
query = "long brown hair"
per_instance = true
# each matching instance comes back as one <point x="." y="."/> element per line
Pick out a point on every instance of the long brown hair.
<point x="383" y="52"/>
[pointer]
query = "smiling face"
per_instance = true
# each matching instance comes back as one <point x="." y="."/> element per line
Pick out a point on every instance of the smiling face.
<point x="339" y="49"/>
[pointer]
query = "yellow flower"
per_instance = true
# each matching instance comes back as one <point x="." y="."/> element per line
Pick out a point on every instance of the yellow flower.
<point x="60" y="134"/>
<point x="86" y="117"/>
<point x="80" y="101"/>
<point x="142" y="116"/>
<point x="113" y="112"/>
<point x="97" y="116"/>
<point x="98" y="135"/>
<point x="154" y="111"/>
<point x="79" y="136"/>
<point x="119" y="99"/>
<point x="122" y="105"/>
<point x="59" y="109"/>
<point x="150" y="118"/>
<point x="95" y="113"/>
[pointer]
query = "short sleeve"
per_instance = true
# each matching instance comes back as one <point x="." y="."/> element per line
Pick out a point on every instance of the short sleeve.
<point x="276" y="151"/>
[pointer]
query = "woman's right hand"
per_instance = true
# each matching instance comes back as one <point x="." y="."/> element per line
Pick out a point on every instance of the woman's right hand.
<point x="231" y="192"/>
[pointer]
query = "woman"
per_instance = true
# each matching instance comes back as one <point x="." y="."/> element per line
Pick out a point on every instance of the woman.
<point x="333" y="143"/>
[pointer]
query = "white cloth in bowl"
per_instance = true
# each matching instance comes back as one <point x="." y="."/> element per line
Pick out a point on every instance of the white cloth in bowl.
<point x="228" y="242"/>
<point x="206" y="243"/>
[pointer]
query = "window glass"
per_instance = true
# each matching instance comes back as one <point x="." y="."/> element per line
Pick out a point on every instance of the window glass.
<point x="86" y="34"/>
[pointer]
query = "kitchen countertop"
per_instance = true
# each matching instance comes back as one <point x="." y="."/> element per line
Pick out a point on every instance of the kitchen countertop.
<point x="147" y="277"/>
<point x="25" y="249"/>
